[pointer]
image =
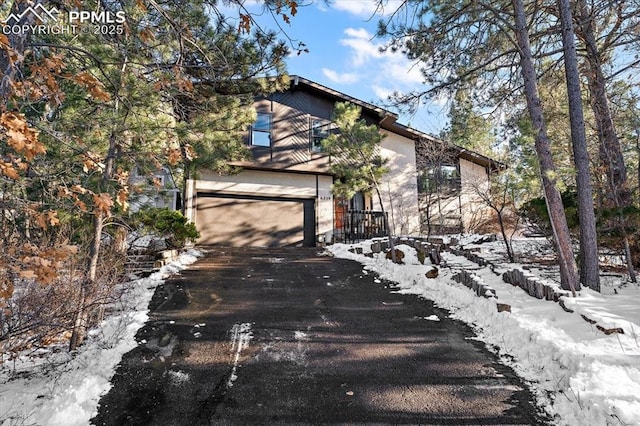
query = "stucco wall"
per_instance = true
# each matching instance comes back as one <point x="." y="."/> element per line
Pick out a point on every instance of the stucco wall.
<point x="474" y="181"/>
<point x="274" y="184"/>
<point x="400" y="187"/>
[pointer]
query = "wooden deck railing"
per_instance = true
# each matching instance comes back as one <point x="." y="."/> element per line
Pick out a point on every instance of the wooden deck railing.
<point x="358" y="225"/>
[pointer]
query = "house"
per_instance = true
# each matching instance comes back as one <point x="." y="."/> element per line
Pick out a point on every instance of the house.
<point x="153" y="188"/>
<point x="283" y="195"/>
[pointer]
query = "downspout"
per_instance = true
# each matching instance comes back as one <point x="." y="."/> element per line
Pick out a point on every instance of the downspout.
<point x="271" y="130"/>
<point x="317" y="210"/>
<point x="460" y="211"/>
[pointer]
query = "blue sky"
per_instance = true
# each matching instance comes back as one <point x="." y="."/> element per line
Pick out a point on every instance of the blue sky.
<point x="343" y="55"/>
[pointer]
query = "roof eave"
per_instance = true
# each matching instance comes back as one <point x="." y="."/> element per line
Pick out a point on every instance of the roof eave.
<point x="384" y="115"/>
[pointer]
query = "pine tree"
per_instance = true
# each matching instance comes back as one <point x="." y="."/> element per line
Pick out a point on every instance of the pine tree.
<point x="103" y="103"/>
<point x="355" y="157"/>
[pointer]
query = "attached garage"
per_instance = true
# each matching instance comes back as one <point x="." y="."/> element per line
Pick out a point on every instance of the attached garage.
<point x="253" y="220"/>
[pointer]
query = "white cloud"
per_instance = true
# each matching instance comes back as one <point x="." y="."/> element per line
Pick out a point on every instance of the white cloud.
<point x="391" y="70"/>
<point x="358" y="33"/>
<point x="362" y="46"/>
<point x="381" y="92"/>
<point x="344" y="78"/>
<point x="366" y="8"/>
<point x="405" y="72"/>
<point x="361" y="8"/>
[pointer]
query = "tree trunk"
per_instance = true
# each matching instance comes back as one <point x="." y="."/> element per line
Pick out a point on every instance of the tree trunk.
<point x="630" y="268"/>
<point x="567" y="263"/>
<point x="87" y="286"/>
<point x="386" y="223"/>
<point x="17" y="42"/>
<point x="618" y="193"/>
<point x="186" y="176"/>
<point x="589" y="271"/>
<point x="88" y="283"/>
<point x="507" y="242"/>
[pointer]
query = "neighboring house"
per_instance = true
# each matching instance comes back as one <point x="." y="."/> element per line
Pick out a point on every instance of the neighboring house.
<point x="283" y="196"/>
<point x="156" y="189"/>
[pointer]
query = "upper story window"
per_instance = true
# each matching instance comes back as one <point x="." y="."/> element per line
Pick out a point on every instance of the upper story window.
<point x="320" y="130"/>
<point x="439" y="178"/>
<point x="261" y="130"/>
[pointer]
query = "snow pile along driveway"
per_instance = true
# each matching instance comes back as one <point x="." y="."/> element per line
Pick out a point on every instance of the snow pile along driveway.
<point x="58" y="389"/>
<point x="580" y="375"/>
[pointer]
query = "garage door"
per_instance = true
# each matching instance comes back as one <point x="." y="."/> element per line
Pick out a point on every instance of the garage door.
<point x="234" y="220"/>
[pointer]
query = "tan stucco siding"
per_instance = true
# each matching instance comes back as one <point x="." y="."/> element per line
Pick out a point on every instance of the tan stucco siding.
<point x="324" y="207"/>
<point x="474" y="181"/>
<point x="399" y="187"/>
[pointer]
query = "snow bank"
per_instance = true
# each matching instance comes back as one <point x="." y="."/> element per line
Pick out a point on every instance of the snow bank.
<point x="60" y="389"/>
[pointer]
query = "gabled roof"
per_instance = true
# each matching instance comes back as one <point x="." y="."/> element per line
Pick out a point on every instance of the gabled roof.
<point x="388" y="121"/>
<point x="372" y="109"/>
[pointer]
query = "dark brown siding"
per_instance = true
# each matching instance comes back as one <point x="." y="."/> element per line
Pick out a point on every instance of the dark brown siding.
<point x="292" y="112"/>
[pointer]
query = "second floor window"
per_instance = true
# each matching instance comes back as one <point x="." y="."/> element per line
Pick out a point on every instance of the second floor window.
<point x="261" y="130"/>
<point x="320" y="130"/>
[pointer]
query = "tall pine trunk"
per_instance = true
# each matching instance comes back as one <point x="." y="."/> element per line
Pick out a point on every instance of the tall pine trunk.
<point x="617" y="192"/>
<point x="566" y="260"/>
<point x="589" y="270"/>
<point x="610" y="151"/>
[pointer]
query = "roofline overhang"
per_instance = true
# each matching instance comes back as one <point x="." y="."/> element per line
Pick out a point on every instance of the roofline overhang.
<point x="385" y="116"/>
<point x="388" y="121"/>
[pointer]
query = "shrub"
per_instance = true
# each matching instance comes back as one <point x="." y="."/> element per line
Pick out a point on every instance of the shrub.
<point x="535" y="212"/>
<point x="170" y="224"/>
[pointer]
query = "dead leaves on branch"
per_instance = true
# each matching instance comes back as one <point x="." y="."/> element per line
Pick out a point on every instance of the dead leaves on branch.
<point x="284" y="4"/>
<point x="43" y="83"/>
<point x="47" y="219"/>
<point x="91" y="162"/>
<point x="279" y="8"/>
<point x="245" y="23"/>
<point x="10" y="168"/>
<point x="102" y="202"/>
<point x="46" y="74"/>
<point x="39" y="264"/>
<point x="22" y="140"/>
<point x="178" y="154"/>
<point x="92" y="85"/>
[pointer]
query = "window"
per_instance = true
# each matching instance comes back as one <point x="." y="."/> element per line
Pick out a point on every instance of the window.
<point x="156" y="180"/>
<point x="261" y="130"/>
<point x="357" y="201"/>
<point x="439" y="178"/>
<point x="320" y="130"/>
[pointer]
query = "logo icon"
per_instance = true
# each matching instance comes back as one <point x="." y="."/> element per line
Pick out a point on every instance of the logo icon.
<point x="39" y="11"/>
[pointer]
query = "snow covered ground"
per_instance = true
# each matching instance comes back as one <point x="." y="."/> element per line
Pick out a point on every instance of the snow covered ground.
<point x="580" y="375"/>
<point x="53" y="388"/>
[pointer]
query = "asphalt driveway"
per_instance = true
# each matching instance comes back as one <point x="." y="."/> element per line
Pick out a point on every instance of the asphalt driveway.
<point x="288" y="336"/>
